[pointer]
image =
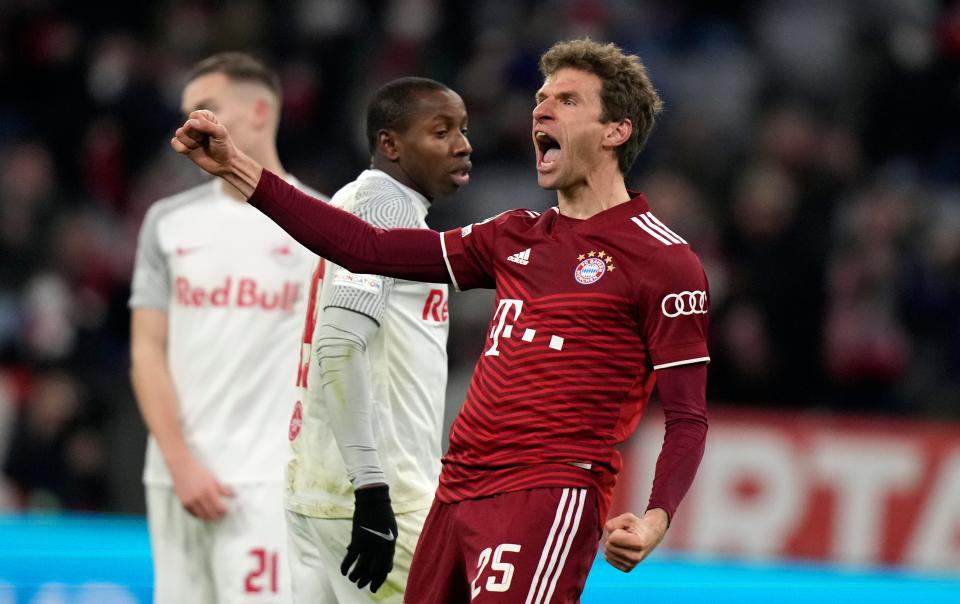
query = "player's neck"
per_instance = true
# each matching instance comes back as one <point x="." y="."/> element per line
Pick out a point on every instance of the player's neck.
<point x="266" y="157"/>
<point x="592" y="196"/>
<point x="394" y="170"/>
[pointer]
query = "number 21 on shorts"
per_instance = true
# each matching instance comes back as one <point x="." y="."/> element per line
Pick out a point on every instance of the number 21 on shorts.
<point x="263" y="577"/>
<point x="501" y="572"/>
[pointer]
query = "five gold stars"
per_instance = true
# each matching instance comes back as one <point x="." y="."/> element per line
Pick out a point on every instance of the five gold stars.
<point x="602" y="255"/>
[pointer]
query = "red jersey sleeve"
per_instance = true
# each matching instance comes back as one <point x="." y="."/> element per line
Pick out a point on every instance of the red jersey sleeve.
<point x="341" y="237"/>
<point x="683" y="394"/>
<point x="674" y="306"/>
<point x="468" y="252"/>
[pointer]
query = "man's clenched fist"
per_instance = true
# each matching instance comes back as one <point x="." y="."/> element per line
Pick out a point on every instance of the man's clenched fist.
<point x="627" y="540"/>
<point x="204" y="140"/>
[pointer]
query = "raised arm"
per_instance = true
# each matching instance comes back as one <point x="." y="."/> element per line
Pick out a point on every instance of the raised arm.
<point x="414" y="254"/>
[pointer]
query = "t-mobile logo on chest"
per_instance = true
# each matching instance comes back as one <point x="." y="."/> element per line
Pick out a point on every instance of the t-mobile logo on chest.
<point x="245" y="292"/>
<point x="508" y="312"/>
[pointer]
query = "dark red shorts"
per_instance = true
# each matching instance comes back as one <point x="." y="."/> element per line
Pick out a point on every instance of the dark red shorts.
<point x="527" y="547"/>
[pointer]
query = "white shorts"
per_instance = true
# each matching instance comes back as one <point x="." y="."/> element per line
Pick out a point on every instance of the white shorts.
<point x="317" y="547"/>
<point x="240" y="558"/>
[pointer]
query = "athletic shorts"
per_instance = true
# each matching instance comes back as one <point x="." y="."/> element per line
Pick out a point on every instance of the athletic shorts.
<point x="317" y="547"/>
<point x="240" y="558"/>
<point x="526" y="547"/>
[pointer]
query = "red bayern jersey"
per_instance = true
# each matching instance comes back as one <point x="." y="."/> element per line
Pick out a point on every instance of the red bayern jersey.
<point x="586" y="310"/>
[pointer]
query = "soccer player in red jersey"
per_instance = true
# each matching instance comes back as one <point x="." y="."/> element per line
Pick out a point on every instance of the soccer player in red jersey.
<point x="597" y="301"/>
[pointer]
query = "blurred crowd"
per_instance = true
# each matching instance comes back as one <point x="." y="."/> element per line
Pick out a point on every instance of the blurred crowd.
<point x="809" y="151"/>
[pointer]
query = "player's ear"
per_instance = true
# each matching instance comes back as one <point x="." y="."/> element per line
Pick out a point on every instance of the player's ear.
<point x="261" y="112"/>
<point x="617" y="132"/>
<point x="388" y="144"/>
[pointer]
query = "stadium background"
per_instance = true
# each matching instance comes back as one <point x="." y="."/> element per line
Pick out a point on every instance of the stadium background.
<point x="809" y="151"/>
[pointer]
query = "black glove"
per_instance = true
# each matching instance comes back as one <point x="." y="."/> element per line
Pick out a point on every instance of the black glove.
<point x="373" y="539"/>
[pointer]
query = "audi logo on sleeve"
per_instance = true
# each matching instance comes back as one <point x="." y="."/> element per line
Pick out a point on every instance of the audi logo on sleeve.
<point x="684" y="303"/>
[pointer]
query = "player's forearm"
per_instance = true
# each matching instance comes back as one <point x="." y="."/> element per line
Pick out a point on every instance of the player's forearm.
<point x="157" y="401"/>
<point x="682" y="393"/>
<point x="345" y="380"/>
<point x="677" y="465"/>
<point x="243" y="172"/>
<point x="414" y="254"/>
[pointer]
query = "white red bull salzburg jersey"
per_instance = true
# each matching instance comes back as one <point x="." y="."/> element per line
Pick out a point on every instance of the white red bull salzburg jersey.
<point x="586" y="311"/>
<point x="231" y="282"/>
<point x="407" y="360"/>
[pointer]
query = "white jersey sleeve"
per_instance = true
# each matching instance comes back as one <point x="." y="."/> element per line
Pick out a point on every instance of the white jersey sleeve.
<point x="150" y="287"/>
<point x="383" y="204"/>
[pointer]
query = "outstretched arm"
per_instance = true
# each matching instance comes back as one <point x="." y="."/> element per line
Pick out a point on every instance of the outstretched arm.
<point x="414" y="254"/>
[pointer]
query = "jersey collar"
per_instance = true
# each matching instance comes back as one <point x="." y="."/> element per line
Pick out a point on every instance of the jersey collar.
<point x="637" y="205"/>
<point x="373" y="172"/>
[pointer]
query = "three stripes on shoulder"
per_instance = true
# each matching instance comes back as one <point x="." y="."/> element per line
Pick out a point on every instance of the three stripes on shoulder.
<point x="656" y="229"/>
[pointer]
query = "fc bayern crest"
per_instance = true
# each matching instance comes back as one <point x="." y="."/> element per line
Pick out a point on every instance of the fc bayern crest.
<point x="589" y="271"/>
<point x="593" y="265"/>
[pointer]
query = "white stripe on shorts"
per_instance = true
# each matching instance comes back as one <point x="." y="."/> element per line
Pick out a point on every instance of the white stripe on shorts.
<point x="557" y="546"/>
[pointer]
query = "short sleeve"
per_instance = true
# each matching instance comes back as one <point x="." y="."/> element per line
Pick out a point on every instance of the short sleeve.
<point x="150" y="287"/>
<point x="381" y="203"/>
<point x="674" y="309"/>
<point x="468" y="252"/>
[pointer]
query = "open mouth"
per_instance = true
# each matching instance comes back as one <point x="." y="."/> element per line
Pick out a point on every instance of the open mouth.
<point x="548" y="149"/>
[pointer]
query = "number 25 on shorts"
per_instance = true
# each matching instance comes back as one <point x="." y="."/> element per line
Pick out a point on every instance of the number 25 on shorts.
<point x="501" y="572"/>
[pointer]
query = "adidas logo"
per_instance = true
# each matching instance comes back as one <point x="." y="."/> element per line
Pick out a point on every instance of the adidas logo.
<point x="520" y="257"/>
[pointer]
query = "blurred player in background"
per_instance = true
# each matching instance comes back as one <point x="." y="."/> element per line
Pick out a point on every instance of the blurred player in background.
<point x="217" y="307"/>
<point x="597" y="301"/>
<point x="366" y="429"/>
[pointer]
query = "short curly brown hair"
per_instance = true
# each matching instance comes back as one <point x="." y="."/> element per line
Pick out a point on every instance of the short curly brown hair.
<point x="626" y="91"/>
